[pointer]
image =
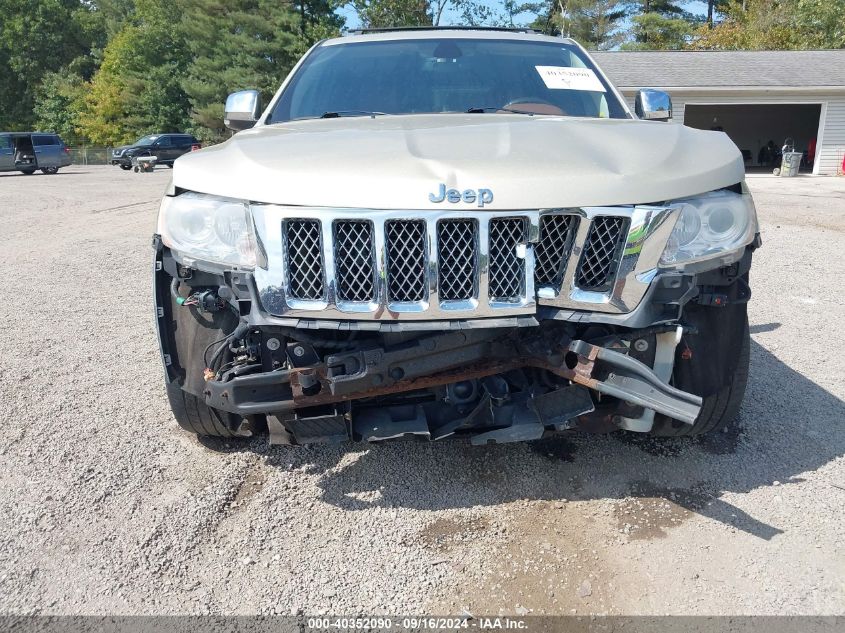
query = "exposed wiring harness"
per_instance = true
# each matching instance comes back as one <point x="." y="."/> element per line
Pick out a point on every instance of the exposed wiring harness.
<point x="211" y="365"/>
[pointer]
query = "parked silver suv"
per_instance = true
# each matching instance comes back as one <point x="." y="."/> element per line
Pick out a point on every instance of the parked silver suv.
<point x="27" y="152"/>
<point x="449" y="232"/>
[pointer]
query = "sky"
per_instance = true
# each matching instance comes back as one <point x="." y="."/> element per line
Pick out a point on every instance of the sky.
<point x="450" y="18"/>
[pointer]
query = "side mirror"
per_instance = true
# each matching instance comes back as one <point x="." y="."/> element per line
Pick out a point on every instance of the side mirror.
<point x="242" y="110"/>
<point x="653" y="105"/>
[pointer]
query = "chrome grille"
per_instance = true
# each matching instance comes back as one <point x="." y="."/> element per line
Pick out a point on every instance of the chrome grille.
<point x="457" y="256"/>
<point x="557" y="232"/>
<point x="507" y="269"/>
<point x="601" y="250"/>
<point x="447" y="264"/>
<point x="354" y="260"/>
<point x="304" y="250"/>
<point x="406" y="260"/>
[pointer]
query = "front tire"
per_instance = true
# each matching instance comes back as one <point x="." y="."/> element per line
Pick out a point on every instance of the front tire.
<point x="27" y="172"/>
<point x="125" y="167"/>
<point x="713" y="364"/>
<point x="49" y="170"/>
<point x="195" y="416"/>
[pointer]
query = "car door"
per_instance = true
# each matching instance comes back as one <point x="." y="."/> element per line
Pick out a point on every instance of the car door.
<point x="7" y="154"/>
<point x="182" y="145"/>
<point x="47" y="151"/>
<point x="163" y="149"/>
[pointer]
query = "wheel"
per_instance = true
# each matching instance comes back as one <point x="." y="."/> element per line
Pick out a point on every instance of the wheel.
<point x="189" y="334"/>
<point x="27" y="172"/>
<point x="50" y="170"/>
<point x="195" y="416"/>
<point x="125" y="167"/>
<point x="712" y="364"/>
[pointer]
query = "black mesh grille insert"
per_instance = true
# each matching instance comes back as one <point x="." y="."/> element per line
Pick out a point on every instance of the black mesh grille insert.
<point x="601" y="252"/>
<point x="304" y="259"/>
<point x="552" y="250"/>
<point x="507" y="271"/>
<point x="406" y="260"/>
<point x="457" y="255"/>
<point x="354" y="264"/>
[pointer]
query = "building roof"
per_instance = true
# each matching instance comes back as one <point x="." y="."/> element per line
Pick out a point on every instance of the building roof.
<point x="723" y="69"/>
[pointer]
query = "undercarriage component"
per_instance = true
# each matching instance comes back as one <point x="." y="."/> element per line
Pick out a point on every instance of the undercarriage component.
<point x="634" y="382"/>
<point x="480" y="375"/>
<point x="664" y="362"/>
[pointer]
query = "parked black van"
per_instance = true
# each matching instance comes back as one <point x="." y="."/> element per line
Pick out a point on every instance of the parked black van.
<point x="165" y="147"/>
<point x="28" y="152"/>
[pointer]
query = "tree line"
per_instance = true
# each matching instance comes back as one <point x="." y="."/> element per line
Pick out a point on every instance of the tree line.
<point x="108" y="71"/>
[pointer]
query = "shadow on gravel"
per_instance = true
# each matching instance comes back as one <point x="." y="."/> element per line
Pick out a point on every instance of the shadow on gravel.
<point x="788" y="425"/>
<point x="36" y="175"/>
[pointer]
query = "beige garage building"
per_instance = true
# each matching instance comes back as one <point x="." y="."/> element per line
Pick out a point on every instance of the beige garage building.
<point x="753" y="96"/>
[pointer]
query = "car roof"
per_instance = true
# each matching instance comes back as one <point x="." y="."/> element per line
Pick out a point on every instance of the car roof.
<point x="426" y="33"/>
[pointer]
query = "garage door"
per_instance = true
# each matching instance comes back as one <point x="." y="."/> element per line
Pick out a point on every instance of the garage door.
<point x="757" y="128"/>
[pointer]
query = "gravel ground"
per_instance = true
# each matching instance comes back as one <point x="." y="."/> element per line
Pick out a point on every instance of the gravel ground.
<point x="107" y="508"/>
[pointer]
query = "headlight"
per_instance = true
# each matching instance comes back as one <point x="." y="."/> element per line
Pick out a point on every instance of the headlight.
<point x="207" y="228"/>
<point x="709" y="226"/>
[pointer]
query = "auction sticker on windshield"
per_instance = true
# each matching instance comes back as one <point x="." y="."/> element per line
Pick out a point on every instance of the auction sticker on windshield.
<point x="565" y="78"/>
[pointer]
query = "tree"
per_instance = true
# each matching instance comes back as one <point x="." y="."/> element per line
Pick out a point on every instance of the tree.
<point x="653" y="31"/>
<point x="136" y="89"/>
<point x="821" y="23"/>
<point x="666" y="8"/>
<point x="240" y="44"/>
<point x="387" y="13"/>
<point x="58" y="101"/>
<point x="595" y="24"/>
<point x="390" y="13"/>
<point x="714" y="7"/>
<point x="660" y="24"/>
<point x="37" y="38"/>
<point x="776" y="24"/>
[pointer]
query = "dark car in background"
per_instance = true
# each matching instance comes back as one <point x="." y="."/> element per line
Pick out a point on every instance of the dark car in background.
<point x="28" y="152"/>
<point x="165" y="147"/>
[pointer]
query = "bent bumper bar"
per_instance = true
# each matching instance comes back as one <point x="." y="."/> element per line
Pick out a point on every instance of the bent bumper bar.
<point x="445" y="359"/>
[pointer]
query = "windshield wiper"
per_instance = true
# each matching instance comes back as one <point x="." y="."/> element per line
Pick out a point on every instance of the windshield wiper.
<point x="480" y="110"/>
<point x="340" y="113"/>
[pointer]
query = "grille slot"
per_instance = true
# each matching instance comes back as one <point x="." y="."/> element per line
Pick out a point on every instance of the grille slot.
<point x="354" y="263"/>
<point x="456" y="250"/>
<point x="601" y="253"/>
<point x="557" y="232"/>
<point x="406" y="260"/>
<point x="304" y="254"/>
<point x="507" y="271"/>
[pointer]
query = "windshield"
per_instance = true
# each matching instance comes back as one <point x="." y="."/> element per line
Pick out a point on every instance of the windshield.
<point x="426" y="76"/>
<point x="147" y="140"/>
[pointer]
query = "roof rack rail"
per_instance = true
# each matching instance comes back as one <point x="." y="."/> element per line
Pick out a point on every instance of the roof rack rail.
<point x="392" y="29"/>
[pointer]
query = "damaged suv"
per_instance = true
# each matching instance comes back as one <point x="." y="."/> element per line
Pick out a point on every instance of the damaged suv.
<point x="447" y="232"/>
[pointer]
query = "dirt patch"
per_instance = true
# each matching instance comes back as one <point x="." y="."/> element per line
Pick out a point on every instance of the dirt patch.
<point x="549" y="561"/>
<point x="443" y="534"/>
<point x="249" y="486"/>
<point x="652" y="511"/>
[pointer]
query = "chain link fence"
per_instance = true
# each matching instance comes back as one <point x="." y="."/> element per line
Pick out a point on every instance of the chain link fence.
<point x="90" y="154"/>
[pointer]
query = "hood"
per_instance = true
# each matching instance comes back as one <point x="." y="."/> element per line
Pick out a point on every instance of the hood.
<point x="396" y="162"/>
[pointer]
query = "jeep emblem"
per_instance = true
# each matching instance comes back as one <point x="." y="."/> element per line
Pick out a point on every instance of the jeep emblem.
<point x="480" y="196"/>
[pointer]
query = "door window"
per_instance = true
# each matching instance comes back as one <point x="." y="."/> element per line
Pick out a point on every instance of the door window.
<point x="43" y="139"/>
<point x="164" y="141"/>
<point x="5" y="142"/>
